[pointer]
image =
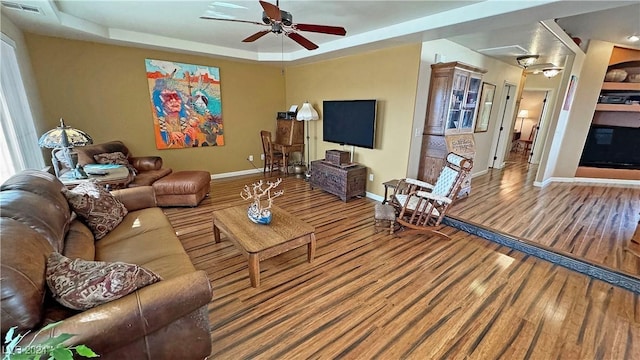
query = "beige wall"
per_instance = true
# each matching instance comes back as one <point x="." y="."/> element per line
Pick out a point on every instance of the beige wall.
<point x="498" y="73"/>
<point x="398" y="79"/>
<point x="390" y="76"/>
<point x="571" y="127"/>
<point x="102" y="89"/>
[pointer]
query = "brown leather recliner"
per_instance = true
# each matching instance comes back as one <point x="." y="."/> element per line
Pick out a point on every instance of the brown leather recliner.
<point x="149" y="168"/>
<point x="164" y="320"/>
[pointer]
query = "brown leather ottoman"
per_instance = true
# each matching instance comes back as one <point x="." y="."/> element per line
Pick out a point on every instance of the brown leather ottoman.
<point x="182" y="188"/>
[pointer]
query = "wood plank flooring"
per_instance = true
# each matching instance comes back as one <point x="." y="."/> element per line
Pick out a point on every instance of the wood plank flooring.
<point x="590" y="222"/>
<point x="370" y="295"/>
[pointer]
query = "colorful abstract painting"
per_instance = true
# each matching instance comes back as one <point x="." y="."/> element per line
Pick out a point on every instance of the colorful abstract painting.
<point x="185" y="104"/>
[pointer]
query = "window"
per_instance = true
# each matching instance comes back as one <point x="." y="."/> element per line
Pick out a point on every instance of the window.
<point x="19" y="150"/>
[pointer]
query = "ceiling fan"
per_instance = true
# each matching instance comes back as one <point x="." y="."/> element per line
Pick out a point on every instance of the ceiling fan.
<point x="281" y="22"/>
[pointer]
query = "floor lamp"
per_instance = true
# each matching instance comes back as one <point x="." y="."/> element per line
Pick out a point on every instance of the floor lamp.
<point x="307" y="113"/>
<point x="522" y="114"/>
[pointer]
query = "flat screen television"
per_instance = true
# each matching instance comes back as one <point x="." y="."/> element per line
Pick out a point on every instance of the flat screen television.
<point x="614" y="147"/>
<point x="349" y="122"/>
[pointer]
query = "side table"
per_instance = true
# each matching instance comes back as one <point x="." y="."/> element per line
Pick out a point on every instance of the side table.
<point x="391" y="184"/>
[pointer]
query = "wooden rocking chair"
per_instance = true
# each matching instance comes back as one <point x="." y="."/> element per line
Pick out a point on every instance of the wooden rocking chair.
<point x="422" y="206"/>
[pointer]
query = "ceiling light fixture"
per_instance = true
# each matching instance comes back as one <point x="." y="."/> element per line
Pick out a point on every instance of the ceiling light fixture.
<point x="527" y="60"/>
<point x="550" y="72"/>
<point x="633" y="38"/>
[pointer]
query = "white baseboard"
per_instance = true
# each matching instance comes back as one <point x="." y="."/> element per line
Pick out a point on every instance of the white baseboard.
<point x="235" y="173"/>
<point x="479" y="173"/>
<point x="374" y="196"/>
<point x="587" y="181"/>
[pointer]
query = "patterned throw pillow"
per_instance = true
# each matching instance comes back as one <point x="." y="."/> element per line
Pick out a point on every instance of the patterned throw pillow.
<point x="115" y="158"/>
<point x="100" y="210"/>
<point x="80" y="284"/>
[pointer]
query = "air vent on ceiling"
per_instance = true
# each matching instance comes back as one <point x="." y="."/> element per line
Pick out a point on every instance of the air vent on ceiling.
<point x="26" y="8"/>
<point x="509" y="50"/>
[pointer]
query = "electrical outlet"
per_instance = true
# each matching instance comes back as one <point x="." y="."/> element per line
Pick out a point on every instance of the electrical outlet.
<point x="261" y="156"/>
<point x="370" y="177"/>
<point x="250" y="157"/>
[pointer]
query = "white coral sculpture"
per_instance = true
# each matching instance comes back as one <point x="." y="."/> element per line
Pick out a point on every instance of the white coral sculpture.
<point x="257" y="192"/>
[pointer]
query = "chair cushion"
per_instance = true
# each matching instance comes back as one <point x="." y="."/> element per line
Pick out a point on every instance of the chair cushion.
<point x="413" y="203"/>
<point x="384" y="212"/>
<point x="100" y="210"/>
<point x="146" y="237"/>
<point x="445" y="181"/>
<point x="79" y="284"/>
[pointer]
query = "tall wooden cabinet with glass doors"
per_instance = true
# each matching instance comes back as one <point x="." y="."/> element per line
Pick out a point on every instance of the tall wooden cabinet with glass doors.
<point x="454" y="93"/>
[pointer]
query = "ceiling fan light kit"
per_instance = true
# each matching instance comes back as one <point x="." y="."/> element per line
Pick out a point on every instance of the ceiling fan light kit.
<point x="281" y="22"/>
<point x="551" y="72"/>
<point x="527" y="60"/>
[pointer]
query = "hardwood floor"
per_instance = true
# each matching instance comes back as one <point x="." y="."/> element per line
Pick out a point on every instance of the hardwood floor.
<point x="589" y="222"/>
<point x="370" y="295"/>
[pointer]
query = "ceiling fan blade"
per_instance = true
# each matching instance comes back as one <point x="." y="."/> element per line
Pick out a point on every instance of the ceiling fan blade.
<point x="232" y="20"/>
<point x="302" y="40"/>
<point x="325" y="29"/>
<point x="272" y="11"/>
<point x="256" y="36"/>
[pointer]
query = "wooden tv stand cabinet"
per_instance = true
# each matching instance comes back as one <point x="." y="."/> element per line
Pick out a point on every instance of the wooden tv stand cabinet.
<point x="343" y="181"/>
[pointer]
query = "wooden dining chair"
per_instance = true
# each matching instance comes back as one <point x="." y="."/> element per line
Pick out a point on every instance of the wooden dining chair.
<point x="525" y="144"/>
<point x="272" y="159"/>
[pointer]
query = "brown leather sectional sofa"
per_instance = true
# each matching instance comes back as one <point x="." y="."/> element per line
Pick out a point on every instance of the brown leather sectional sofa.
<point x="149" y="168"/>
<point x="165" y="320"/>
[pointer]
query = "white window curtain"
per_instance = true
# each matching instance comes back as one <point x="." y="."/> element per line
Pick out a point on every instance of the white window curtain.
<point x="19" y="150"/>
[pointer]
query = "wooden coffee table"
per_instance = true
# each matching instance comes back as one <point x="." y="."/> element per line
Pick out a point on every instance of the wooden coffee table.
<point x="260" y="242"/>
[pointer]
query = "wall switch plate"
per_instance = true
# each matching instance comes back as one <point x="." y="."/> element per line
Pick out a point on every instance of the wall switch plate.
<point x="370" y="177"/>
<point x="250" y="157"/>
<point x="261" y="156"/>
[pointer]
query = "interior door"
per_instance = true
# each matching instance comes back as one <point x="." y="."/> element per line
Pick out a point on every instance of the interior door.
<point x="502" y="137"/>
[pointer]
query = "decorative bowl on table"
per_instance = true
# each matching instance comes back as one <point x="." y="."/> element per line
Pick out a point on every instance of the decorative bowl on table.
<point x="259" y="216"/>
<point x="615" y="75"/>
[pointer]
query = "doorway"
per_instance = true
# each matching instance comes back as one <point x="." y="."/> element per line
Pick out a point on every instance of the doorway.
<point x="503" y="135"/>
<point x="529" y="121"/>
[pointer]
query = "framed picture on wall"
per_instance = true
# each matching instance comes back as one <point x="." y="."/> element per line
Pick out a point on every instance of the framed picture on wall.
<point x="185" y="104"/>
<point x="486" y="104"/>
